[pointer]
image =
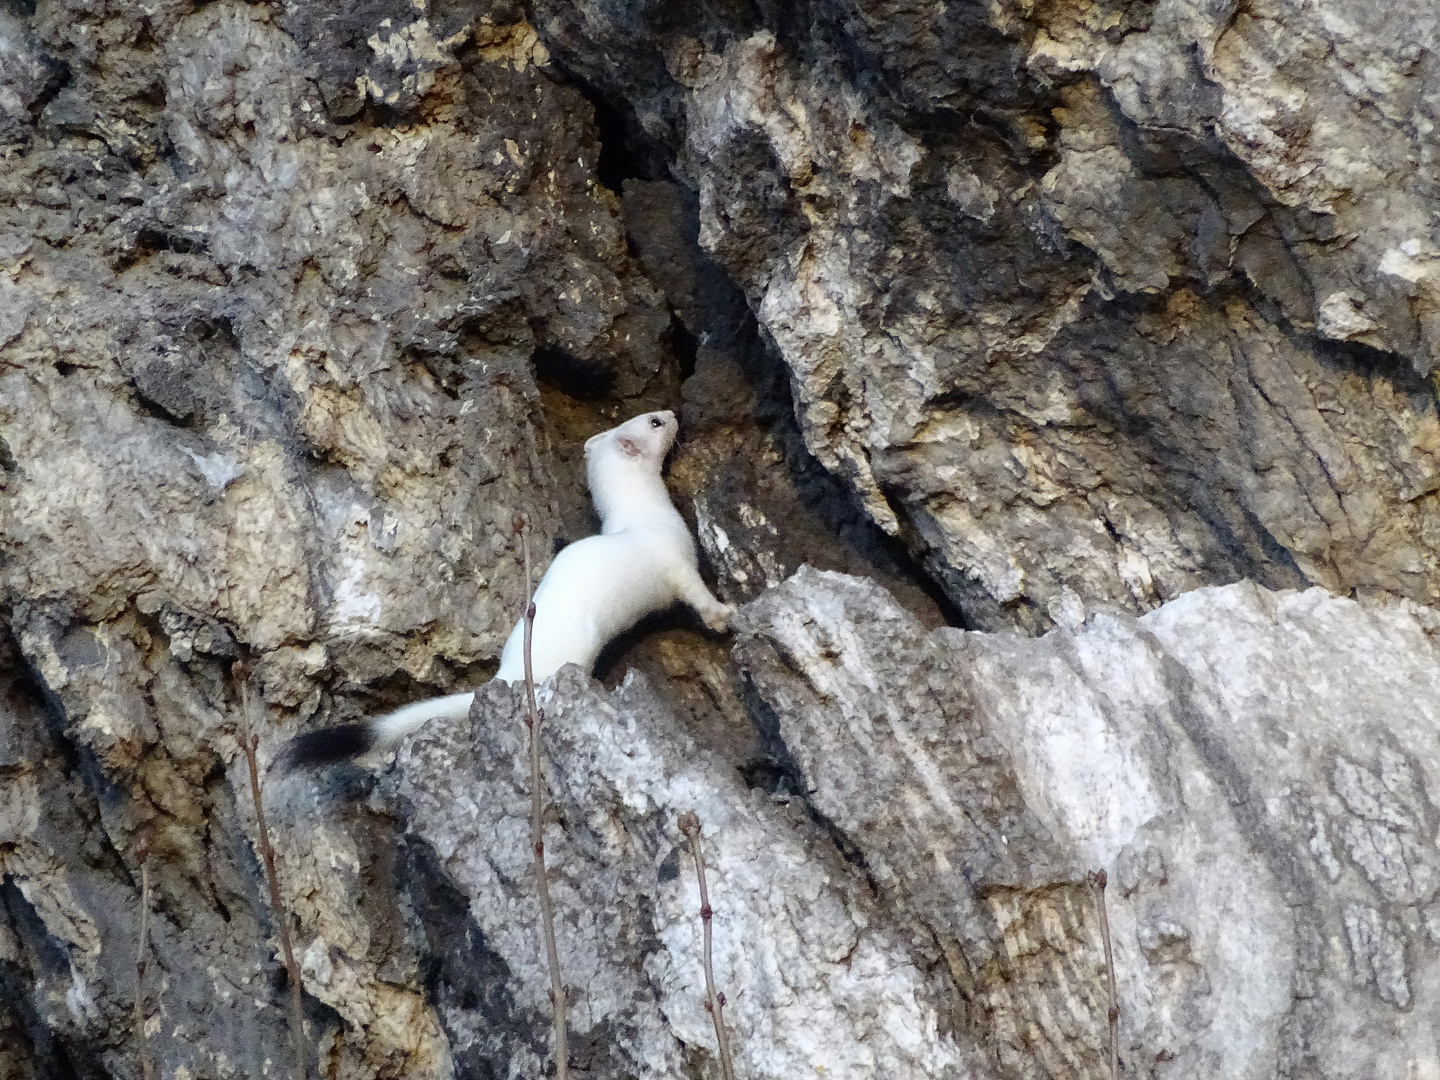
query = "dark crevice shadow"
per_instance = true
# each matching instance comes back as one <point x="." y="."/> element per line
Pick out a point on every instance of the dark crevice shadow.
<point x="465" y="981"/>
<point x="779" y="767"/>
<point x="56" y="1056"/>
<point x="573" y="376"/>
<point x="626" y="151"/>
<point x="1374" y="364"/>
<point x="824" y="496"/>
<point x="676" y="617"/>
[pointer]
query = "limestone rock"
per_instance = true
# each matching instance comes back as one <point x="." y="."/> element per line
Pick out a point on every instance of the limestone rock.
<point x="1254" y="770"/>
<point x="1017" y="317"/>
<point x="1117" y="300"/>
<point x="266" y="394"/>
<point x="817" y="979"/>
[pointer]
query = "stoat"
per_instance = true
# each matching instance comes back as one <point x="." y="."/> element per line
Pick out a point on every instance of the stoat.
<point x="642" y="560"/>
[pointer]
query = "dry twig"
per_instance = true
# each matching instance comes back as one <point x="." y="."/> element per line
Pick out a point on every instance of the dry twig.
<point x="689" y="823"/>
<point x="249" y="741"/>
<point x="1097" y="880"/>
<point x="534" y="718"/>
<point x="147" y="1067"/>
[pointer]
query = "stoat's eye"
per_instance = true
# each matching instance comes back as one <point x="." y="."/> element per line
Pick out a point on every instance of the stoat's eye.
<point x="655" y="421"/>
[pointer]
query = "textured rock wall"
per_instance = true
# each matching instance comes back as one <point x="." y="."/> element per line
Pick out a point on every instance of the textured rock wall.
<point x="1021" y="317"/>
<point x="273" y="283"/>
<point x="1104" y="301"/>
<point x="818" y="978"/>
<point x="1256" y="770"/>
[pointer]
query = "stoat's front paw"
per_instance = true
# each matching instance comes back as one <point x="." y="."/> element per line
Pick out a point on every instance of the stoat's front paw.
<point x="718" y="618"/>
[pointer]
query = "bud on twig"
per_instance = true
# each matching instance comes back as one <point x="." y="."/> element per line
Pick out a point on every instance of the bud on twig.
<point x="689" y="825"/>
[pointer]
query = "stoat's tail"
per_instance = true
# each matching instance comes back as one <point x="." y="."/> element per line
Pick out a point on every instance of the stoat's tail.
<point x="345" y="741"/>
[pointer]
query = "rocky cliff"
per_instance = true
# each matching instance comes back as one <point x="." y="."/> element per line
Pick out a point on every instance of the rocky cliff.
<point x="1057" y="397"/>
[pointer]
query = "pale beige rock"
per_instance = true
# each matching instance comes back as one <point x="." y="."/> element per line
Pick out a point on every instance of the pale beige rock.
<point x="1040" y="315"/>
<point x="1252" y="769"/>
<point x="1207" y="251"/>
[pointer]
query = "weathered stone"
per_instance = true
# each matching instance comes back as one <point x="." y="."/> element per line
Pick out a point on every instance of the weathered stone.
<point x="828" y="984"/>
<point x="266" y="394"/>
<point x="1038" y="315"/>
<point x="1116" y="301"/>
<point x="1254" y="771"/>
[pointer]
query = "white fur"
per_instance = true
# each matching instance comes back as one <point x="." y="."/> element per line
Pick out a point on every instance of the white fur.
<point x="642" y="560"/>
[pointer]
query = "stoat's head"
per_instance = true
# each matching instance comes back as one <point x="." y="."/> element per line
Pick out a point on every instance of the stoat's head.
<point x="644" y="439"/>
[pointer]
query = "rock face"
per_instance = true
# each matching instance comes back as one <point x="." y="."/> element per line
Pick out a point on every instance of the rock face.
<point x="1038" y="366"/>
<point x="828" y="982"/>
<point x="1255" y="769"/>
<point x="1110" y="301"/>
<point x="268" y="393"/>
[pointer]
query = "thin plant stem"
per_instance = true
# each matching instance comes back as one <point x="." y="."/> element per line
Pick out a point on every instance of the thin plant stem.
<point x="147" y="1067"/>
<point x="534" y="718"/>
<point x="714" y="1001"/>
<point x="249" y="741"/>
<point x="1097" y="881"/>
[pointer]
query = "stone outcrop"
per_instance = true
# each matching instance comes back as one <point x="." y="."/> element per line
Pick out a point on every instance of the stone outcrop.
<point x="1256" y="770"/>
<point x="1104" y="302"/>
<point x="1057" y="395"/>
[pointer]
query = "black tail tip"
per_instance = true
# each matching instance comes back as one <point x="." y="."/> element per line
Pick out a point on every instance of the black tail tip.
<point x="328" y="745"/>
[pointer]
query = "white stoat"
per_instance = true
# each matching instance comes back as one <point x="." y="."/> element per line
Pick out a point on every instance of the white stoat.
<point x="642" y="560"/>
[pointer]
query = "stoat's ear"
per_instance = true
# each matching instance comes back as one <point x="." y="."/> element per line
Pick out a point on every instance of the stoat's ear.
<point x="628" y="445"/>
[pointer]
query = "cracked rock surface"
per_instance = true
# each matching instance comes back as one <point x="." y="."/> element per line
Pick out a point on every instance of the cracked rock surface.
<point x="1109" y="301"/>
<point x="1057" y="398"/>
<point x="1256" y="769"/>
<point x="817" y="977"/>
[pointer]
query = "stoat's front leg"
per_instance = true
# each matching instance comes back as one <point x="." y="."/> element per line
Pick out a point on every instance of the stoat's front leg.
<point x="715" y="614"/>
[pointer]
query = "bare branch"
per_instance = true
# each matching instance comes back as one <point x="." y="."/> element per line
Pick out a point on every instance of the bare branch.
<point x="1097" y="880"/>
<point x="147" y="1067"/>
<point x="534" y="718"/>
<point x="689" y="823"/>
<point x="249" y="741"/>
